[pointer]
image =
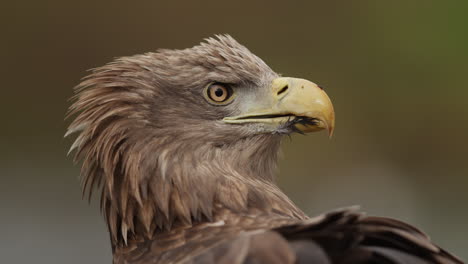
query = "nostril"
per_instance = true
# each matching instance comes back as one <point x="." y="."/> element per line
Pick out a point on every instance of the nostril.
<point x="282" y="90"/>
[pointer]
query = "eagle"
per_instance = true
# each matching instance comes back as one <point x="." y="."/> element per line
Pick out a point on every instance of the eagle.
<point x="183" y="146"/>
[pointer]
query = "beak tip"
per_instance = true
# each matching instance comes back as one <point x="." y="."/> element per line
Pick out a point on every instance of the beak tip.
<point x="329" y="125"/>
<point x="330" y="128"/>
<point x="330" y="133"/>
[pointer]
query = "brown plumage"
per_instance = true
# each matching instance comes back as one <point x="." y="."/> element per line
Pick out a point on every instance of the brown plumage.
<point x="181" y="182"/>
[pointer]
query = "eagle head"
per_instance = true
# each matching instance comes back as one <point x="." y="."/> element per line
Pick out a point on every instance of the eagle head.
<point x="170" y="136"/>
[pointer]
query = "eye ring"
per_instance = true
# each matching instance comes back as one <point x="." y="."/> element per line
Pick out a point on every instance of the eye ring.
<point x="219" y="93"/>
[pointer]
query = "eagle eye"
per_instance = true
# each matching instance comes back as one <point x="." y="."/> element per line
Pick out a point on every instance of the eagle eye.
<point x="218" y="93"/>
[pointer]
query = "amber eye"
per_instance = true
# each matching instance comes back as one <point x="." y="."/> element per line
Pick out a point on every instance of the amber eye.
<point x="219" y="93"/>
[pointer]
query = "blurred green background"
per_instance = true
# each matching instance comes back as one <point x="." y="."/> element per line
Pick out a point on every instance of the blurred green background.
<point x="395" y="70"/>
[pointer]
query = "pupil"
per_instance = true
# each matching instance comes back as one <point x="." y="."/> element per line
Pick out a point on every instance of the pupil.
<point x="219" y="92"/>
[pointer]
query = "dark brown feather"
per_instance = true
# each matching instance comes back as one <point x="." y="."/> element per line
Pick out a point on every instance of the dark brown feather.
<point x="342" y="236"/>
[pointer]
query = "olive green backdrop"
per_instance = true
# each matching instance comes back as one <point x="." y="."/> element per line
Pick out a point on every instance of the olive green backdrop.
<point x="396" y="72"/>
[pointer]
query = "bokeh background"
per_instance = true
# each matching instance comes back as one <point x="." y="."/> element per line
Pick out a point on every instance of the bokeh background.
<point x="395" y="70"/>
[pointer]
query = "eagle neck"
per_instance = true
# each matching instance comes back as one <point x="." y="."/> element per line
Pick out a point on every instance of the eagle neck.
<point x="188" y="184"/>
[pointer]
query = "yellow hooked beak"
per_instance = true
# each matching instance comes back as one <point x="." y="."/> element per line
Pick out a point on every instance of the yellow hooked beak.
<point x="297" y="102"/>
